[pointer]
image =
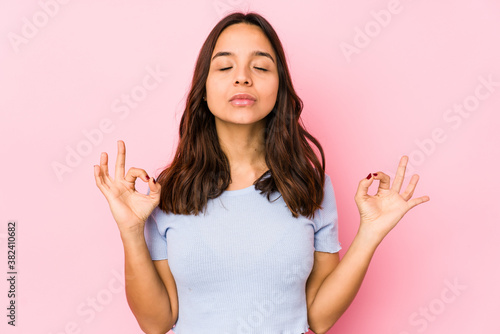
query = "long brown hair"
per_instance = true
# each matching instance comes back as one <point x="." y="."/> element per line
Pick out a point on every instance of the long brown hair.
<point x="200" y="170"/>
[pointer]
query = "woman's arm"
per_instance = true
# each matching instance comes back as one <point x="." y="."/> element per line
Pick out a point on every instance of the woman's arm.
<point x="379" y="214"/>
<point x="341" y="286"/>
<point x="147" y="286"/>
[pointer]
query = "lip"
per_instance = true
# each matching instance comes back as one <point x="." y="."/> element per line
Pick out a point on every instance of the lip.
<point x="242" y="96"/>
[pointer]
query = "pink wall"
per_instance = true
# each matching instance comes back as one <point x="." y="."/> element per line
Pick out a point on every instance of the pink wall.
<point x="379" y="79"/>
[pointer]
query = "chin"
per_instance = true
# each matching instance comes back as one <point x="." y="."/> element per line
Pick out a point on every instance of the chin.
<point x="242" y="117"/>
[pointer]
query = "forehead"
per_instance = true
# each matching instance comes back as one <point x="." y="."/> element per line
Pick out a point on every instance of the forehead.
<point x="242" y="38"/>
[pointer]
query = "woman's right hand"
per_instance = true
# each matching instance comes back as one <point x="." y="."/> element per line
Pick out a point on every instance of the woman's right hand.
<point x="129" y="207"/>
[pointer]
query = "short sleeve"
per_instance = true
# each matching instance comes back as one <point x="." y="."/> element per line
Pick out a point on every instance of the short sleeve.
<point x="326" y="238"/>
<point x="155" y="240"/>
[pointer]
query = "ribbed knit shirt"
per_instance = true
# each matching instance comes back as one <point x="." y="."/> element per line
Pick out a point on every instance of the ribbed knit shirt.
<point x="241" y="267"/>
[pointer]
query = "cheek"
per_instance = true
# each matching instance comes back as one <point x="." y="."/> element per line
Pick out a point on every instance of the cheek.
<point x="214" y="87"/>
<point x="208" y="86"/>
<point x="272" y="91"/>
<point x="214" y="95"/>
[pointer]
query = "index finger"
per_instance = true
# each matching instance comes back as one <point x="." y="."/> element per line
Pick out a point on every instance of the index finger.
<point x="400" y="174"/>
<point x="120" y="161"/>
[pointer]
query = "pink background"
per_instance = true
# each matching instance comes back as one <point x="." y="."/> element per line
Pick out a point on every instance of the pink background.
<point x="397" y="93"/>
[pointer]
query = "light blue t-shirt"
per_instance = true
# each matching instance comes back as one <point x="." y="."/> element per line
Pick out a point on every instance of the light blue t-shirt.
<point x="242" y="267"/>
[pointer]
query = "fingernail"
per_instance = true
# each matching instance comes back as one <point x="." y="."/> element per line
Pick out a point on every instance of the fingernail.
<point x="369" y="176"/>
<point x="154" y="180"/>
<point x="375" y="174"/>
<point x="147" y="177"/>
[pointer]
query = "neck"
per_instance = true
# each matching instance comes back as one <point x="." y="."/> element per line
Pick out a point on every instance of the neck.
<point x="244" y="147"/>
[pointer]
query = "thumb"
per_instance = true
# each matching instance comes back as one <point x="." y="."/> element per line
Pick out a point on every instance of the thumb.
<point x="153" y="186"/>
<point x="363" y="186"/>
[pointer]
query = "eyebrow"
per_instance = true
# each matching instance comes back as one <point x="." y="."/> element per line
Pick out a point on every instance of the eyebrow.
<point x="255" y="53"/>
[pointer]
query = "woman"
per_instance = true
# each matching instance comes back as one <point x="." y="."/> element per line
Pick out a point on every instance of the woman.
<point x="245" y="212"/>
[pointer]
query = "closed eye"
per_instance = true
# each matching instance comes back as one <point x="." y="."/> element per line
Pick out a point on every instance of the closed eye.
<point x="258" y="68"/>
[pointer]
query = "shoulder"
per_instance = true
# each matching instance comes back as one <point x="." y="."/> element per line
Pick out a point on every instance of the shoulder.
<point x="328" y="187"/>
<point x="328" y="210"/>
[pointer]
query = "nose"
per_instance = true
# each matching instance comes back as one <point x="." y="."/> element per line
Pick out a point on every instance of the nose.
<point x="242" y="77"/>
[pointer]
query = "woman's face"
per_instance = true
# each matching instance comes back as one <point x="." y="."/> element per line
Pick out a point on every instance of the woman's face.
<point x="243" y="62"/>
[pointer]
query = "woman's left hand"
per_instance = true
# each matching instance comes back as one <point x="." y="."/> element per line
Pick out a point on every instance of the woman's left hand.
<point x="381" y="212"/>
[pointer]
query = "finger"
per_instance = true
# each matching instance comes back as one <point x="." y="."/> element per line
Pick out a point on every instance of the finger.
<point x="400" y="174"/>
<point x="363" y="187"/>
<point x="104" y="168"/>
<point x="120" y="161"/>
<point x="154" y="186"/>
<point x="134" y="173"/>
<point x="385" y="181"/>
<point x="99" y="181"/>
<point x="416" y="201"/>
<point x="408" y="193"/>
